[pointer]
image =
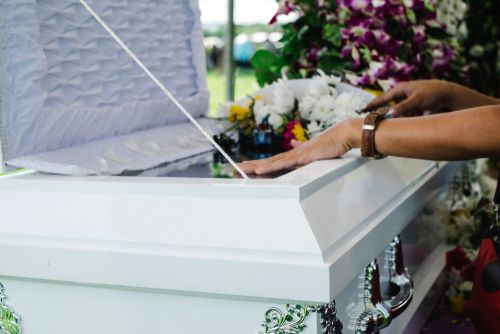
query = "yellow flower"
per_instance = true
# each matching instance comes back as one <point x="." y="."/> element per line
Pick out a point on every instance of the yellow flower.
<point x="373" y="92"/>
<point x="299" y="133"/>
<point x="376" y="93"/>
<point x="238" y="113"/>
<point x="457" y="304"/>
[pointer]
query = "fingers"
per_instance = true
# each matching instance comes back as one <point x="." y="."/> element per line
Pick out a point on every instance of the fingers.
<point x="397" y="92"/>
<point x="281" y="161"/>
<point x="277" y="165"/>
<point x="409" y="107"/>
<point x="296" y="143"/>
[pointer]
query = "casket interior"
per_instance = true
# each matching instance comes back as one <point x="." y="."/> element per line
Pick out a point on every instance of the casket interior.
<point x="73" y="102"/>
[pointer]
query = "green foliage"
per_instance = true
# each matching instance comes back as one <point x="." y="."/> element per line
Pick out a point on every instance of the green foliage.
<point x="311" y="31"/>
<point x="267" y="67"/>
<point x="9" y="323"/>
<point x="482" y="45"/>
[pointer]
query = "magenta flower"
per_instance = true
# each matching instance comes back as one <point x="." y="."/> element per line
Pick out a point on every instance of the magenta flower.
<point x="419" y="38"/>
<point x="444" y="56"/>
<point x="285" y="8"/>
<point x="288" y="134"/>
<point x="312" y="55"/>
<point x="381" y="41"/>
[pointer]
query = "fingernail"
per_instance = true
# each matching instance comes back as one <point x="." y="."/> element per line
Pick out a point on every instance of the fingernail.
<point x="390" y="113"/>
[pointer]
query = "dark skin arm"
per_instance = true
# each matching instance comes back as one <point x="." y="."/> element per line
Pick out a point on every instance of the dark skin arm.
<point x="465" y="134"/>
<point x="415" y="97"/>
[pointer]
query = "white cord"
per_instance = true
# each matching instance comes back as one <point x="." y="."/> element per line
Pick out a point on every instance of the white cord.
<point x="162" y="87"/>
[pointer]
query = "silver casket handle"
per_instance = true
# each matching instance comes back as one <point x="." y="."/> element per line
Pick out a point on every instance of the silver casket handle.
<point x="379" y="312"/>
<point x="401" y="283"/>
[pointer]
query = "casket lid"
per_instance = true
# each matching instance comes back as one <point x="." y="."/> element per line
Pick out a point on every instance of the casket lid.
<point x="65" y="83"/>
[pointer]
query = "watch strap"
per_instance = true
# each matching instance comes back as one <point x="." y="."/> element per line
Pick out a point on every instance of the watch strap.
<point x="370" y="124"/>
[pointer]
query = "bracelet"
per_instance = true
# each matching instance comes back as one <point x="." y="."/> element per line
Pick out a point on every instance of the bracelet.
<point x="368" y="135"/>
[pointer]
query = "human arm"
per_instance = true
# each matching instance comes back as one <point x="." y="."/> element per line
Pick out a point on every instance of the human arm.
<point x="465" y="134"/>
<point x="416" y="97"/>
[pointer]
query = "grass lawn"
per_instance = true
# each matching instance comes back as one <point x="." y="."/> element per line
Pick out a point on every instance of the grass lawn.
<point x="245" y="84"/>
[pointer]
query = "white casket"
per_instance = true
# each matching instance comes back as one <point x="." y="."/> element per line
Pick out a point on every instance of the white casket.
<point x="165" y="250"/>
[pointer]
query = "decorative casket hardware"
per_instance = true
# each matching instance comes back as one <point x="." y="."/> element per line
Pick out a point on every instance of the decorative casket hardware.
<point x="379" y="312"/>
<point x="9" y="321"/>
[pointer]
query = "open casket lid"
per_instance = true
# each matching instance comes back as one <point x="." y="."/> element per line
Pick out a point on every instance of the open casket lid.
<point x="73" y="102"/>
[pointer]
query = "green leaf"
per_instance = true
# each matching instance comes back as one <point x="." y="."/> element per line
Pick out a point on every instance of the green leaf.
<point x="428" y="4"/>
<point x="410" y="14"/>
<point x="366" y="54"/>
<point x="313" y="20"/>
<point x="302" y="32"/>
<point x="265" y="76"/>
<point x="263" y="59"/>
<point x="331" y="63"/>
<point x="331" y="33"/>
<point x="344" y="13"/>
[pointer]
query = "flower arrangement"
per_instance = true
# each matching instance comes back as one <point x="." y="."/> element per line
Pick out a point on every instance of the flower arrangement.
<point x="288" y="117"/>
<point x="460" y="264"/>
<point x="482" y="45"/>
<point x="376" y="43"/>
<point x="471" y="211"/>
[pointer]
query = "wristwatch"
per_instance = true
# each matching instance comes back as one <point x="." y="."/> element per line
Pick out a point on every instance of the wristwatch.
<point x="370" y="124"/>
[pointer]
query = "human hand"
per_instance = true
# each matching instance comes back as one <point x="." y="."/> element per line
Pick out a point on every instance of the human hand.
<point x="332" y="143"/>
<point x="414" y="97"/>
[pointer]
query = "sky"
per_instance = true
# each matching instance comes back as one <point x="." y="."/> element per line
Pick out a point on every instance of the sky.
<point x="245" y="11"/>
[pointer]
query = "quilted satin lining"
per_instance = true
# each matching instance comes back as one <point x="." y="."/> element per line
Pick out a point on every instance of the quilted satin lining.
<point x="64" y="82"/>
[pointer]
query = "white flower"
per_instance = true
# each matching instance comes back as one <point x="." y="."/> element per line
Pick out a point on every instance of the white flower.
<point x="322" y="105"/>
<point x="313" y="128"/>
<point x="323" y="84"/>
<point x="378" y="3"/>
<point x="323" y="110"/>
<point x="352" y="78"/>
<point x="359" y="4"/>
<point x="347" y="105"/>
<point x="306" y="105"/>
<point x="465" y="286"/>
<point x="223" y="110"/>
<point x="437" y="53"/>
<point x="408" y="3"/>
<point x="275" y="120"/>
<point x="260" y="111"/>
<point x="284" y="98"/>
<point x="317" y="103"/>
<point x="375" y="66"/>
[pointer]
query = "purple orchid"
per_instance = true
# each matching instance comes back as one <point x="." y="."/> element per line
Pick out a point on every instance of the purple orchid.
<point x="285" y="7"/>
<point x="444" y="56"/>
<point x="383" y="41"/>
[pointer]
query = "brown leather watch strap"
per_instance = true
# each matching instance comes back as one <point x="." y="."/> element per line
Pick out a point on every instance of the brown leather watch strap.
<point x="370" y="124"/>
